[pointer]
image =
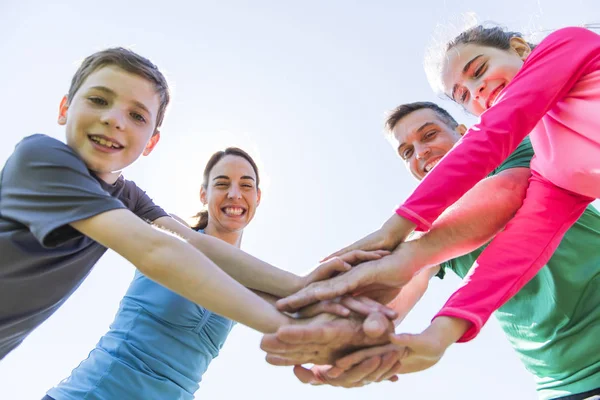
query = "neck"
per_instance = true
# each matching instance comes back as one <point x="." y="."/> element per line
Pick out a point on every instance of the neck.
<point x="233" y="238"/>
<point x="109" y="177"/>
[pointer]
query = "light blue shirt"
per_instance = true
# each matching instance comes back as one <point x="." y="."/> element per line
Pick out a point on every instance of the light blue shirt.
<point x="158" y="347"/>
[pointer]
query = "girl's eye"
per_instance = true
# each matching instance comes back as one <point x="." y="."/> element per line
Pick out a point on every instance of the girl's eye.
<point x="406" y="153"/>
<point x="138" y="117"/>
<point x="98" y="100"/>
<point x="220" y="184"/>
<point x="479" y="70"/>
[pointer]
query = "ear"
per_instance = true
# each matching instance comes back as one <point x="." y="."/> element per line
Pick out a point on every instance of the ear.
<point x="152" y="143"/>
<point x="461" y="129"/>
<point x="521" y="47"/>
<point x="62" y="111"/>
<point x="258" y="195"/>
<point x="203" y="194"/>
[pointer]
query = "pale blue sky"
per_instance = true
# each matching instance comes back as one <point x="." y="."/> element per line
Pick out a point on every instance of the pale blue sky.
<point x="304" y="86"/>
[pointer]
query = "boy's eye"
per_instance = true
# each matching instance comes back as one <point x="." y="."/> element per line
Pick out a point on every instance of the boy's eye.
<point x="220" y="184"/>
<point x="247" y="185"/>
<point x="98" y="100"/>
<point x="138" y="117"/>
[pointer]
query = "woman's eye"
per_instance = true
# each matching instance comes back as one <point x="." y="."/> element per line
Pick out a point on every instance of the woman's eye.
<point x="406" y="153"/>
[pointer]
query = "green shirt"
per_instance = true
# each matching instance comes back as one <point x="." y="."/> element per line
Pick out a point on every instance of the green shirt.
<point x="554" y="321"/>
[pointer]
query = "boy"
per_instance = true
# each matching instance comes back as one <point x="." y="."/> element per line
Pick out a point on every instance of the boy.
<point x="63" y="205"/>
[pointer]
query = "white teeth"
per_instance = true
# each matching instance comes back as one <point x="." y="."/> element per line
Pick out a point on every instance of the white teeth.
<point x="104" y="142"/>
<point x="430" y="166"/>
<point x="234" y="211"/>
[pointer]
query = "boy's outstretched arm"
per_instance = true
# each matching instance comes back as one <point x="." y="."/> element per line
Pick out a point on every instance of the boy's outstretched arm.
<point x="174" y="263"/>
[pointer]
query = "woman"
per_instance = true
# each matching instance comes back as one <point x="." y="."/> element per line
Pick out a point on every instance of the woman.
<point x="160" y="344"/>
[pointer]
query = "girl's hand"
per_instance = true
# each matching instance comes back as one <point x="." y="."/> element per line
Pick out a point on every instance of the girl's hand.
<point x="415" y="352"/>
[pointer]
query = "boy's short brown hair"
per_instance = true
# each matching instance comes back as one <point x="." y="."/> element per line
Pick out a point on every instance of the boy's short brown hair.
<point x="130" y="62"/>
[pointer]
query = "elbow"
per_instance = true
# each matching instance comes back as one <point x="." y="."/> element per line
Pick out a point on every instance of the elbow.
<point x="153" y="260"/>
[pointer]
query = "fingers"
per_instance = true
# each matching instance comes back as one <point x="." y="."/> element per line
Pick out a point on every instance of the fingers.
<point x="329" y="268"/>
<point x="358" y="356"/>
<point x="325" y="290"/>
<point x="273" y="345"/>
<point x="325" y="306"/>
<point x="375" y="325"/>
<point x="290" y="359"/>
<point x="388" y="361"/>
<point x="313" y="334"/>
<point x="365" y="306"/>
<point x="308" y="376"/>
<point x="354" y="257"/>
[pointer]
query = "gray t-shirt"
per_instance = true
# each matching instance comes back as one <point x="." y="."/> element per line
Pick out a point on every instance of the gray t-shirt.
<point x="45" y="186"/>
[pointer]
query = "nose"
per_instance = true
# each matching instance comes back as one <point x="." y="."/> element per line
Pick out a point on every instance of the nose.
<point x="114" y="118"/>
<point x="422" y="151"/>
<point x="234" y="192"/>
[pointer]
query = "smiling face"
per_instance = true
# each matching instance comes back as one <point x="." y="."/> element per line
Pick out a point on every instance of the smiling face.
<point x="474" y="75"/>
<point x="231" y="195"/>
<point x="422" y="138"/>
<point x="111" y="120"/>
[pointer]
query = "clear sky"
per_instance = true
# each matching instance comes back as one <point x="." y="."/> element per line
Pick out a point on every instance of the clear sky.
<point x="303" y="86"/>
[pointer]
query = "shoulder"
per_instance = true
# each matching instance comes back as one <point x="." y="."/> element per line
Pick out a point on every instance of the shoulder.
<point x="40" y="148"/>
<point x="573" y="38"/>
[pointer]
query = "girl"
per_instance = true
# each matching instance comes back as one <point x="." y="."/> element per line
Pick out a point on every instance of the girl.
<point x="160" y="344"/>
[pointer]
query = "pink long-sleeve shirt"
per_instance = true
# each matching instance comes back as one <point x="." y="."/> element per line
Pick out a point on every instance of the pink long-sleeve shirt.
<point x="555" y="98"/>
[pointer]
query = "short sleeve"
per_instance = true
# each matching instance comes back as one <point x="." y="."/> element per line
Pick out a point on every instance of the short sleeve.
<point x="145" y="207"/>
<point x="45" y="186"/>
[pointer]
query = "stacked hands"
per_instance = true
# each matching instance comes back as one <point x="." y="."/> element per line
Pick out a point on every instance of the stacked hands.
<point x="350" y="336"/>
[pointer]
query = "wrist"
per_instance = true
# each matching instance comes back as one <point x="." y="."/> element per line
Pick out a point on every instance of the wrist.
<point x="395" y="231"/>
<point x="449" y="329"/>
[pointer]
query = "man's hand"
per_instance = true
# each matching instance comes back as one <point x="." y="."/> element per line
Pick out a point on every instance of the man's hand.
<point x="387" y="273"/>
<point x="322" y="342"/>
<point x="393" y="232"/>
<point x="341" y="264"/>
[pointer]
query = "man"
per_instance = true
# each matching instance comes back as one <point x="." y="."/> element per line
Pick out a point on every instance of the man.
<point x="557" y="313"/>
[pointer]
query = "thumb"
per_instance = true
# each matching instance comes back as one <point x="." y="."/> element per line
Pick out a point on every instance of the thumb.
<point x="307" y="376"/>
<point x="406" y="340"/>
<point x="375" y="325"/>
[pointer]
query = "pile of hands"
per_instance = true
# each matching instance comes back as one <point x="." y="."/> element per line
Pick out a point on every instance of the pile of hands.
<point x="344" y="327"/>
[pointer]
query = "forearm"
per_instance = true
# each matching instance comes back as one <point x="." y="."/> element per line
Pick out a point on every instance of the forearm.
<point x="244" y="268"/>
<point x="473" y="221"/>
<point x="183" y="269"/>
<point x="269" y="298"/>
<point x="411" y="293"/>
<point x="517" y="254"/>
